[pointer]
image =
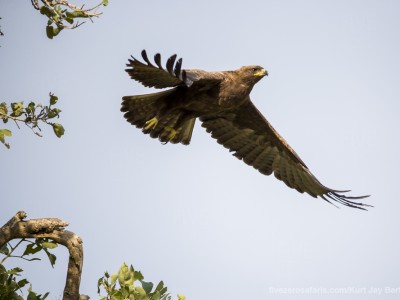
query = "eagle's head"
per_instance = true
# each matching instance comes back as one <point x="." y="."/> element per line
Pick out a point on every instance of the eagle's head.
<point x="253" y="74"/>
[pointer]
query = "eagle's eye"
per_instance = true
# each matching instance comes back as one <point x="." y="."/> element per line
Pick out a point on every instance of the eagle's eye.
<point x="254" y="69"/>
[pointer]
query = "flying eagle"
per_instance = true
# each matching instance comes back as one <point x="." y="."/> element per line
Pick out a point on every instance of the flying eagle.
<point x="221" y="102"/>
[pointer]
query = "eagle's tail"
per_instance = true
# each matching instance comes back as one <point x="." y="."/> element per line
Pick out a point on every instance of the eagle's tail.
<point x="150" y="113"/>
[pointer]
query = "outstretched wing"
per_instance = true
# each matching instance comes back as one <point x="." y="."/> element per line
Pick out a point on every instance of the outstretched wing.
<point x="252" y="139"/>
<point x="151" y="75"/>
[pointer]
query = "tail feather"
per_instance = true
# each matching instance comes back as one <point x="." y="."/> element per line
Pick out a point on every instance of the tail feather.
<point x="142" y="108"/>
<point x="139" y="109"/>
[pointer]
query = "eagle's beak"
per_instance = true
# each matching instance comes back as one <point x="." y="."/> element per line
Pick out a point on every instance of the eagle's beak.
<point x="261" y="73"/>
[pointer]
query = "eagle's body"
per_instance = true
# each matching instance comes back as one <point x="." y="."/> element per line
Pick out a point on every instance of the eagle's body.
<point x="221" y="101"/>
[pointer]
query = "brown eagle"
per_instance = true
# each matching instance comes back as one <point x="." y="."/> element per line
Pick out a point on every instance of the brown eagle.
<point x="221" y="102"/>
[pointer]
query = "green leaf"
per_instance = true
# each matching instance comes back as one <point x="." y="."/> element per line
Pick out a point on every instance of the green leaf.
<point x="160" y="285"/>
<point x="141" y="291"/>
<point x="49" y="32"/>
<point x="53" y="113"/>
<point x="3" y="133"/>
<point x="181" y="297"/>
<point x="163" y="290"/>
<point x="30" y="109"/>
<point x="156" y="296"/>
<point x="15" y="271"/>
<point x="114" y="278"/>
<point x="57" y="30"/>
<point x="138" y="275"/>
<point x="58" y="129"/>
<point x="49" y="245"/>
<point x="22" y="283"/>
<point x="4" y="249"/>
<point x="3" y="108"/>
<point x="32" y="296"/>
<point x="99" y="284"/>
<point x="17" y="105"/>
<point x="125" y="275"/>
<point x="105" y="2"/>
<point x="32" y="249"/>
<point x="44" y="10"/>
<point x="52" y="32"/>
<point x="147" y="286"/>
<point x="52" y="258"/>
<point x="118" y="296"/>
<point x="2" y="269"/>
<point x="53" y="99"/>
<point x="76" y="14"/>
<point x="17" y="108"/>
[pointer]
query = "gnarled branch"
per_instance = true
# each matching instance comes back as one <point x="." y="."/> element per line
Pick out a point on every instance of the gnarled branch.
<point x="52" y="228"/>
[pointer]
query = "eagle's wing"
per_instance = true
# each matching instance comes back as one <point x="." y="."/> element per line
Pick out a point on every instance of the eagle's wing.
<point x="156" y="76"/>
<point x="253" y="139"/>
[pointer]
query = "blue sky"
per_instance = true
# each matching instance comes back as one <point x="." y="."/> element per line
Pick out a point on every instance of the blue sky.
<point x="194" y="216"/>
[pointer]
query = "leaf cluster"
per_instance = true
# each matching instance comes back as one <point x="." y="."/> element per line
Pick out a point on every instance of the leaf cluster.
<point x="32" y="247"/>
<point x="62" y="14"/>
<point x="32" y="115"/>
<point x="129" y="284"/>
<point x="10" y="287"/>
<point x="41" y="244"/>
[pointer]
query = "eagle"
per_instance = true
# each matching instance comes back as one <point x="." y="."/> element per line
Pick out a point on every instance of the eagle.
<point x="221" y="101"/>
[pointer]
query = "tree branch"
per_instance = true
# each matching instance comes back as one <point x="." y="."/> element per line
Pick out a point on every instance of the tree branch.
<point x="52" y="228"/>
<point x="1" y="33"/>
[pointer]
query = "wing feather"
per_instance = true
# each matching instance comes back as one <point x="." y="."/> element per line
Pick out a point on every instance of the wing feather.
<point x="178" y="67"/>
<point x="252" y="139"/>
<point x="157" y="59"/>
<point x="156" y="76"/>
<point x="170" y="64"/>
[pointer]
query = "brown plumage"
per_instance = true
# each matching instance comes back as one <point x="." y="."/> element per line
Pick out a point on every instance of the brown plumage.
<point x="221" y="101"/>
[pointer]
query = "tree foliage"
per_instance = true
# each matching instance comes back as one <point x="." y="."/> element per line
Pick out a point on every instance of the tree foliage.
<point x="62" y="14"/>
<point x="10" y="284"/>
<point x="128" y="284"/>
<point x="31" y="115"/>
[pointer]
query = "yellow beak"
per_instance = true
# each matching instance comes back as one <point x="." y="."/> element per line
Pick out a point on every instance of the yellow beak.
<point x="262" y="72"/>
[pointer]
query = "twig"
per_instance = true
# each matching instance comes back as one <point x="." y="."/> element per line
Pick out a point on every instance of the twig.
<point x="76" y="8"/>
<point x="12" y="250"/>
<point x="4" y="116"/>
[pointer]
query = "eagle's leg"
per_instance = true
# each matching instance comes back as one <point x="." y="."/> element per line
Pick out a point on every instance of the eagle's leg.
<point x="172" y="132"/>
<point x="151" y="124"/>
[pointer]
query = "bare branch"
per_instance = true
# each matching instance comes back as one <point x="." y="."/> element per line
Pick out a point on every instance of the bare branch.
<point x="52" y="228"/>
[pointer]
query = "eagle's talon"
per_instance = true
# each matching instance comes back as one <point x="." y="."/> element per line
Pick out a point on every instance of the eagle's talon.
<point x="151" y="124"/>
<point x="172" y="133"/>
